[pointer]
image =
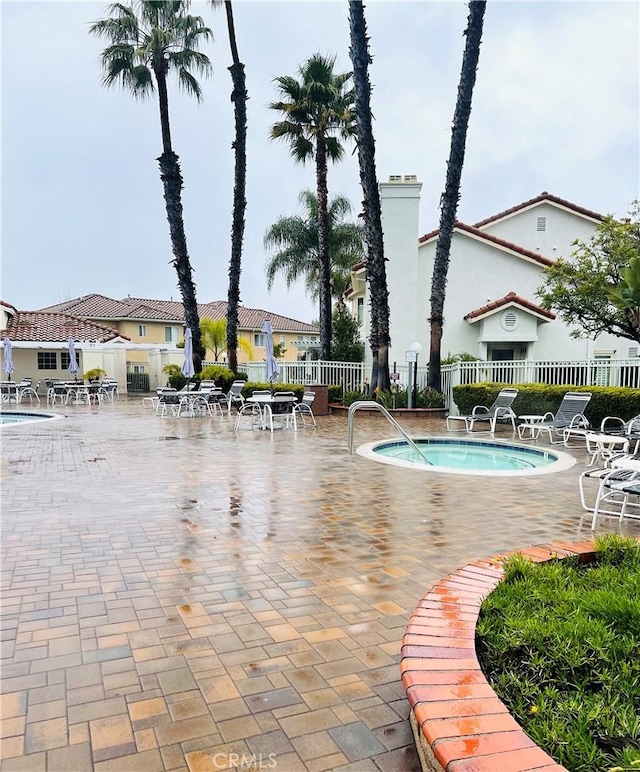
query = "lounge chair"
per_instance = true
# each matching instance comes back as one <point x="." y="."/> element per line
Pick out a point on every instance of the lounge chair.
<point x="568" y="421"/>
<point x="500" y="410"/>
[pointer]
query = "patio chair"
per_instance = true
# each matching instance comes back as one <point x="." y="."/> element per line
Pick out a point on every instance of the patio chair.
<point x="168" y="402"/>
<point x="623" y="472"/>
<point x="619" y="491"/>
<point x="304" y="408"/>
<point x="107" y="390"/>
<point x="280" y="408"/>
<point x="500" y="410"/>
<point x="234" y="396"/>
<point x="208" y="401"/>
<point x="25" y="389"/>
<point x="619" y="427"/>
<point x="568" y="421"/>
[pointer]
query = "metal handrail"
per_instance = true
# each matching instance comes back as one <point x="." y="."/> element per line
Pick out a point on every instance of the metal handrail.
<point x="370" y="405"/>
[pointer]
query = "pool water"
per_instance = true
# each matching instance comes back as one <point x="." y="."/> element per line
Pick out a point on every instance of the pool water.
<point x="468" y="456"/>
<point x="14" y="417"/>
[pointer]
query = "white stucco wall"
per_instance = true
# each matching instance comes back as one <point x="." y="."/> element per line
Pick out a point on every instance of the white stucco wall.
<point x="400" y="204"/>
<point x="563" y="227"/>
<point x="478" y="273"/>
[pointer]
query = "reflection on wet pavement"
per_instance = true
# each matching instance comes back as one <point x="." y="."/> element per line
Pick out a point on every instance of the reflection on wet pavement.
<point x="177" y="595"/>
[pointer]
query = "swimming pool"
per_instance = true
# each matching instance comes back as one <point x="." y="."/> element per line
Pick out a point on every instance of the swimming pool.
<point x="11" y="417"/>
<point x="464" y="456"/>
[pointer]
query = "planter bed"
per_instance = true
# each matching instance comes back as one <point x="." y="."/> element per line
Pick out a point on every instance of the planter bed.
<point x="459" y="723"/>
<point x="427" y="412"/>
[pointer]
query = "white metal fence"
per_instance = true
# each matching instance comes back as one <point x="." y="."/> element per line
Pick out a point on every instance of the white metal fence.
<point x="354" y="376"/>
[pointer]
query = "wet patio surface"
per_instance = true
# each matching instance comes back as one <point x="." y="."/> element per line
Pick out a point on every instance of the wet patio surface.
<point x="177" y="596"/>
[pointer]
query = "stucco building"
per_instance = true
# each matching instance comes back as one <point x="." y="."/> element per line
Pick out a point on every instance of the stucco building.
<point x="491" y="308"/>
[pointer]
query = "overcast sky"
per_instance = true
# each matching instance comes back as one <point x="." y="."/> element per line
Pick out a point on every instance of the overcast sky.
<point x="556" y="108"/>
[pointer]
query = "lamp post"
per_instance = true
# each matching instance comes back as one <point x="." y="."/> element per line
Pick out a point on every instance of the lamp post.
<point x="417" y="348"/>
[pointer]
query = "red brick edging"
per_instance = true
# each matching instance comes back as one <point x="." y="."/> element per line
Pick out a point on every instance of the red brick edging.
<point x="459" y="723"/>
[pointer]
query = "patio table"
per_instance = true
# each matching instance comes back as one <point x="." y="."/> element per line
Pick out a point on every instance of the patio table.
<point x="271" y="405"/>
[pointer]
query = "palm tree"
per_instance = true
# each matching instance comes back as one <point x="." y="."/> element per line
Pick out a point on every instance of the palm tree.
<point x="214" y="337"/>
<point x="451" y="195"/>
<point x="318" y="113"/>
<point x="376" y="271"/>
<point x="239" y="99"/>
<point x="297" y="256"/>
<point x="147" y="40"/>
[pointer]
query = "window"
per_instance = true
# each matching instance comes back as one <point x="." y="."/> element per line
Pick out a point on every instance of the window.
<point x="47" y="360"/>
<point x="65" y="360"/>
<point x="142" y="330"/>
<point x="542" y="224"/>
<point x="170" y="334"/>
<point x="258" y="339"/>
<point x="283" y="339"/>
<point x="360" y="310"/>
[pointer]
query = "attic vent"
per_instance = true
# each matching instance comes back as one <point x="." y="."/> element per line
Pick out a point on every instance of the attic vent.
<point x="542" y="224"/>
<point x="633" y="352"/>
<point x="509" y="320"/>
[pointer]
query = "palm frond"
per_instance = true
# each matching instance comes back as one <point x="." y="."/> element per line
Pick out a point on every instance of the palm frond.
<point x="335" y="149"/>
<point x="189" y="83"/>
<point x="189" y="58"/>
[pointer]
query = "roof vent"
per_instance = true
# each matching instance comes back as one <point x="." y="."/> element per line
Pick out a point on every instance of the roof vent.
<point x="509" y="320"/>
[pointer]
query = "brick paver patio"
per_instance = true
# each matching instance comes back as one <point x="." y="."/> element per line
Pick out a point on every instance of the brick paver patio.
<point x="177" y="596"/>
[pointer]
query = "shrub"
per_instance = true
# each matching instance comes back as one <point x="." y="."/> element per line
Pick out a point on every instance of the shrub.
<point x="221" y="375"/>
<point x="350" y="397"/>
<point x="335" y="394"/>
<point x="94" y="374"/>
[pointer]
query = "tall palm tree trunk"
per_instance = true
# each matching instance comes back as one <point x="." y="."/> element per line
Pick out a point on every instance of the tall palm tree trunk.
<point x="324" y="267"/>
<point x="376" y="270"/>
<point x="451" y="195"/>
<point x="172" y="181"/>
<point x="239" y="99"/>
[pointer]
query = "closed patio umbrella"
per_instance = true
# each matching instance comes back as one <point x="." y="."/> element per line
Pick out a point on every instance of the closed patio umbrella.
<point x="73" y="368"/>
<point x="187" y="366"/>
<point x="8" y="357"/>
<point x="272" y="366"/>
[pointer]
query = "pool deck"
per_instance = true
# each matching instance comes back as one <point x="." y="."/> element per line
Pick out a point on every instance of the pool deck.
<point x="177" y="596"/>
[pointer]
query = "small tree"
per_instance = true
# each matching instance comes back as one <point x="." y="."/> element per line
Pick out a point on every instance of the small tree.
<point x="588" y="288"/>
<point x="346" y="344"/>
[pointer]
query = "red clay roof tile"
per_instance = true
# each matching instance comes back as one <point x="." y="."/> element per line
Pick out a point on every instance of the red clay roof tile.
<point x="511" y="297"/>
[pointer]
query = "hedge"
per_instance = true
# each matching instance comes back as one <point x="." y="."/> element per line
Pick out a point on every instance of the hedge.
<point x="539" y="398"/>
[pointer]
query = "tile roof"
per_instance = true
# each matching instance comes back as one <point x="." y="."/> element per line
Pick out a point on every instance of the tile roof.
<point x="50" y="326"/>
<point x="101" y="307"/>
<point x="508" y="299"/>
<point x="473" y="231"/>
<point x="544" y="196"/>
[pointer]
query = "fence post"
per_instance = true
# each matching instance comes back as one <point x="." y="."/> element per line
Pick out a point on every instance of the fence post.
<point x="454" y="380"/>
